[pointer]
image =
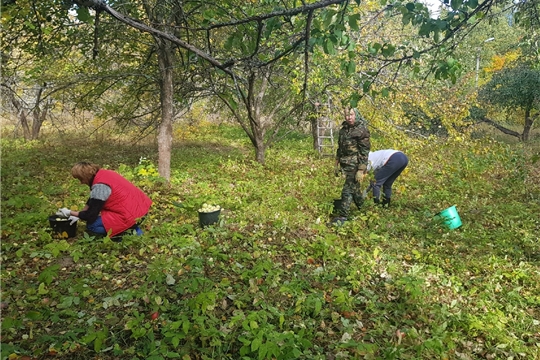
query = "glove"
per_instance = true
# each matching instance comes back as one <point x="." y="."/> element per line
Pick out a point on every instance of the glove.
<point x="360" y="174"/>
<point x="73" y="219"/>
<point x="64" y="212"/>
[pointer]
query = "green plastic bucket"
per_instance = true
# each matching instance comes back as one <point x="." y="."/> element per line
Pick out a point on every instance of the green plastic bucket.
<point x="450" y="217"/>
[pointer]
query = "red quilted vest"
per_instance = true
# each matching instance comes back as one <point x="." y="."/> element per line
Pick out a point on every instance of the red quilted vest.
<point x="126" y="204"/>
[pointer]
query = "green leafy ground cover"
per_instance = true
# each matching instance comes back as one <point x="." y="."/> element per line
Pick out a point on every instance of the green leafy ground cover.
<point x="272" y="280"/>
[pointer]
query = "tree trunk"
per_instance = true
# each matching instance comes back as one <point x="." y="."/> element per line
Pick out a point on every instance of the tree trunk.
<point x="260" y="152"/>
<point x="38" y="114"/>
<point x="38" y="118"/>
<point x="24" y="112"/>
<point x="528" y="125"/>
<point x="502" y="128"/>
<point x="23" y="119"/>
<point x="258" y="140"/>
<point x="21" y="114"/>
<point x="314" y="133"/>
<point x="254" y="107"/>
<point x="165" y="60"/>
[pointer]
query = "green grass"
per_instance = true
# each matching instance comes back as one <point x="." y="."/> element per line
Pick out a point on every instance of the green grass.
<point x="272" y="280"/>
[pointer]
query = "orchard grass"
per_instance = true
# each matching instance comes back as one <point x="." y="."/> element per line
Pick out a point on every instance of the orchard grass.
<point x="272" y="280"/>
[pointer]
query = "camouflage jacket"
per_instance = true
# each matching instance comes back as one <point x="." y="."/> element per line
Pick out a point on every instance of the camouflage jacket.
<point x="353" y="144"/>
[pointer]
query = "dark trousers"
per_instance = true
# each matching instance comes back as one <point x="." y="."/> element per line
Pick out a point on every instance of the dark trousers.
<point x="351" y="190"/>
<point x="98" y="227"/>
<point x="386" y="175"/>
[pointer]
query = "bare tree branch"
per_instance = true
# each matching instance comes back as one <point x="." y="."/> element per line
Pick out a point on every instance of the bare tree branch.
<point x="101" y="5"/>
<point x="286" y="13"/>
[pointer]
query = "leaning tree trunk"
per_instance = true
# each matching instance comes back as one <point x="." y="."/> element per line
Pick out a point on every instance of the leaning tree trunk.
<point x="502" y="128"/>
<point x="21" y="114"/>
<point x="165" y="60"/>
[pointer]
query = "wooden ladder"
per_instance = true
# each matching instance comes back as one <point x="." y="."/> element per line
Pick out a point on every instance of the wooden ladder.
<point x="325" y="136"/>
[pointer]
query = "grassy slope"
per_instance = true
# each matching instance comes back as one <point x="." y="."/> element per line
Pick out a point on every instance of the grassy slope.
<point x="273" y="280"/>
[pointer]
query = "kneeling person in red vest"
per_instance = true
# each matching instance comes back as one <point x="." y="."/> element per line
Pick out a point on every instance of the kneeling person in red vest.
<point x="115" y="204"/>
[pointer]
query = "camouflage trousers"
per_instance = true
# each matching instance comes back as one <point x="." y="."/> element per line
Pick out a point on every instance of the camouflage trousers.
<point x="351" y="190"/>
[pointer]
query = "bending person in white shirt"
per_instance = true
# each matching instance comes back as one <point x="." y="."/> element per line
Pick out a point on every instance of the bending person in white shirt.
<point x="387" y="165"/>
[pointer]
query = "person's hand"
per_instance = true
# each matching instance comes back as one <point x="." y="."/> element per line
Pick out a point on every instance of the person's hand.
<point x="65" y="212"/>
<point x="72" y="219"/>
<point x="360" y="174"/>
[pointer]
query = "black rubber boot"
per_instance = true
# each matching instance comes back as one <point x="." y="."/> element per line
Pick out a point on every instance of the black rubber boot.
<point x="385" y="202"/>
<point x="376" y="201"/>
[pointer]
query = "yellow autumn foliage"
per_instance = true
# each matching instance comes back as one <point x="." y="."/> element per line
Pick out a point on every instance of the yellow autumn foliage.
<point x="61" y="235"/>
<point x="498" y="62"/>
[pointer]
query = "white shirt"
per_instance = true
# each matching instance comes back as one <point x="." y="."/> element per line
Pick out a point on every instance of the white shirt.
<point x="377" y="159"/>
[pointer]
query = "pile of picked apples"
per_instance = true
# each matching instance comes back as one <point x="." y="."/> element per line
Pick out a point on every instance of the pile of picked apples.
<point x="209" y="208"/>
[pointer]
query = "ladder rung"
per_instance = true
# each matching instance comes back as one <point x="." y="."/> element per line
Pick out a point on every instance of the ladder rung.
<point x="325" y="136"/>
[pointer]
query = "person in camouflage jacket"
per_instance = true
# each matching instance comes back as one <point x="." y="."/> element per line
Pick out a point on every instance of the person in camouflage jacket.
<point x="352" y="156"/>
